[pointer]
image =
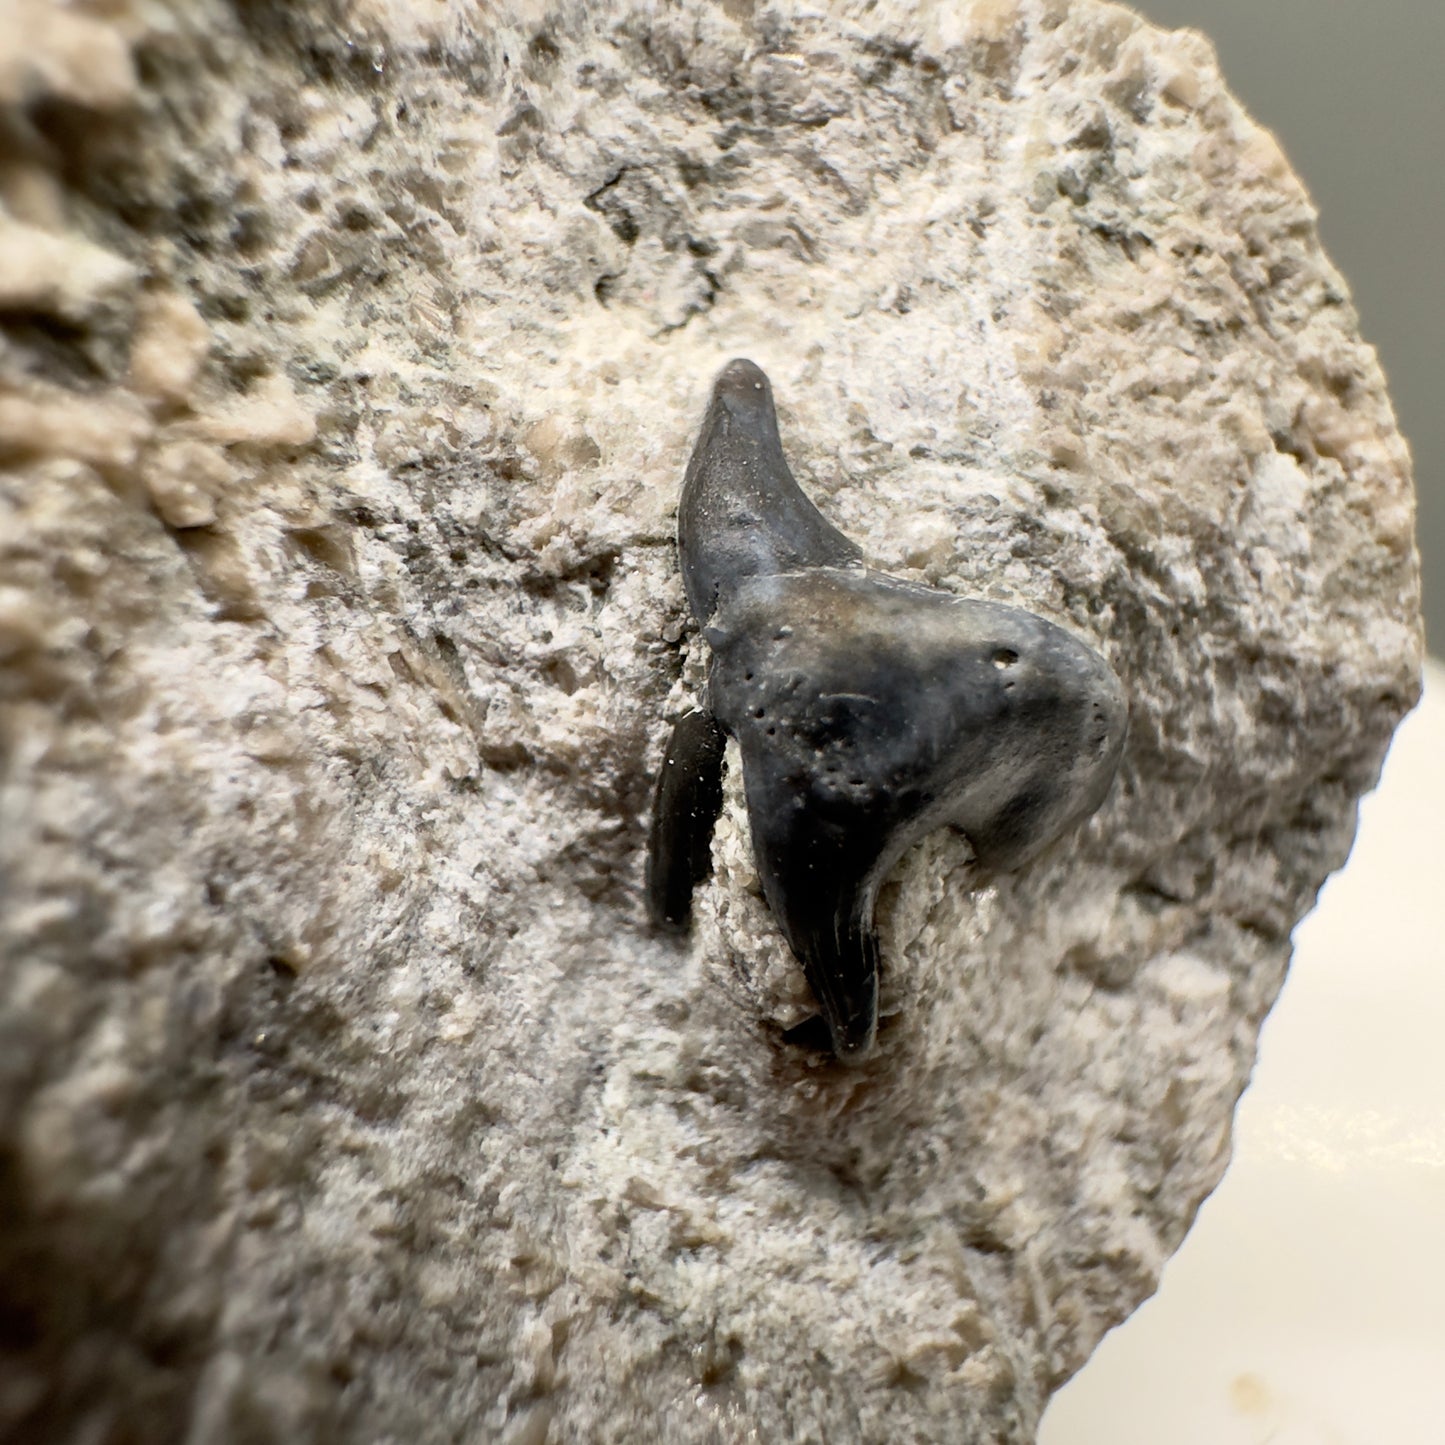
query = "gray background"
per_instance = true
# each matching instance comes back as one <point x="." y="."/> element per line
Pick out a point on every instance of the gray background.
<point x="1354" y="93"/>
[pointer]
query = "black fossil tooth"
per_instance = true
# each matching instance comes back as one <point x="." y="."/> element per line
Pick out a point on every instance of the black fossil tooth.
<point x="868" y="712"/>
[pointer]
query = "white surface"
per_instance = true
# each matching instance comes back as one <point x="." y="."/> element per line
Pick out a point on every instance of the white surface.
<point x="1306" y="1306"/>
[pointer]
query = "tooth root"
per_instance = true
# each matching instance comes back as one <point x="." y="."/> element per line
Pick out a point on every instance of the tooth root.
<point x="832" y="934"/>
<point x="685" y="806"/>
<point x="820" y="880"/>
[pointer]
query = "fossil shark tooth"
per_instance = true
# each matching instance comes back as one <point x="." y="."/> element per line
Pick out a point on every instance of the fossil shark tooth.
<point x="868" y="711"/>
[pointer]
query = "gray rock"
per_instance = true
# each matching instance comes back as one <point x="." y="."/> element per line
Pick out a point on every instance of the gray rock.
<point x="344" y="1092"/>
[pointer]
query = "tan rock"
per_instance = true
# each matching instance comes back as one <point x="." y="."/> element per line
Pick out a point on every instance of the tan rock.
<point x="54" y="49"/>
<point x="61" y="276"/>
<point x="270" y="415"/>
<point x="170" y="346"/>
<point x="47" y="421"/>
<point x="337" y="1058"/>
<point x="185" y="478"/>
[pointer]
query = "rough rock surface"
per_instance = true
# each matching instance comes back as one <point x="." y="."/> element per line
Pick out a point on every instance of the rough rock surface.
<point x="352" y="354"/>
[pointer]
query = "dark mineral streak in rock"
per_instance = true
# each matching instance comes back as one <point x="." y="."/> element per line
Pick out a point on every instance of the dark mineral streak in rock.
<point x="868" y="711"/>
